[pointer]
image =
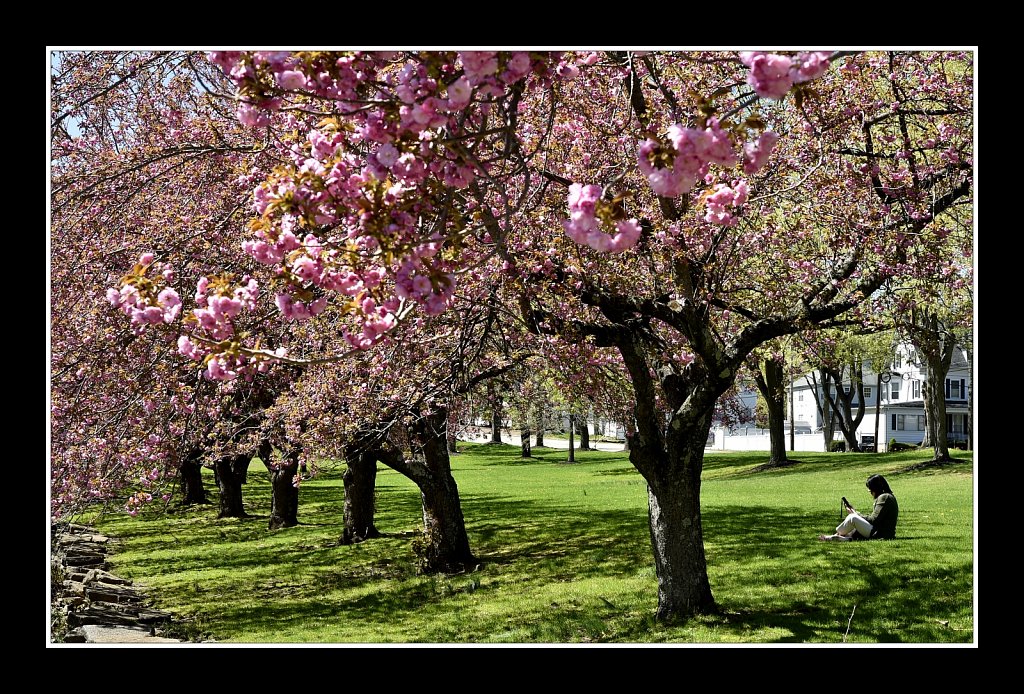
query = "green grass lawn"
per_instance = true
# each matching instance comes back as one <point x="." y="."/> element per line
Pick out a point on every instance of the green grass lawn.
<point x="565" y="556"/>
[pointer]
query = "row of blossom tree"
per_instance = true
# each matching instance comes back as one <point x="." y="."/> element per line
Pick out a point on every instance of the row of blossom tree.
<point x="369" y="215"/>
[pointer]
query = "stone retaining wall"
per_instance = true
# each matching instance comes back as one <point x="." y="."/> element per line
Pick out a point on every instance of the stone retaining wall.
<point x="99" y="607"/>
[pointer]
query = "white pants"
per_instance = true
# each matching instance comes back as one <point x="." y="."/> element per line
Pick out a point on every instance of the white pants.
<point x="854" y="522"/>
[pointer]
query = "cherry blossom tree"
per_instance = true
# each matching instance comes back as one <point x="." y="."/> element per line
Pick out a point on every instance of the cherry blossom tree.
<point x="682" y="209"/>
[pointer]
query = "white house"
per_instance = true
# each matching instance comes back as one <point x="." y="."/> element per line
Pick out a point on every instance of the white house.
<point x="901" y="409"/>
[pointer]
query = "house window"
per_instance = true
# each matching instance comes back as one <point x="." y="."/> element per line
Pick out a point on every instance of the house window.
<point x="901" y="422"/>
<point x="953" y="386"/>
<point x="897" y="361"/>
<point x="867" y="392"/>
<point x="920" y="422"/>
<point x="800" y="397"/>
<point x="957" y="423"/>
<point x="916" y="388"/>
<point x="895" y="390"/>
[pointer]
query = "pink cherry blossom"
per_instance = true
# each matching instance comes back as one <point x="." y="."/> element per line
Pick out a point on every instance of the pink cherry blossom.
<point x="756" y="154"/>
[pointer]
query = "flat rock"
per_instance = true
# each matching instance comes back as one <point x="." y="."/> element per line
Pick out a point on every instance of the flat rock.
<point x="95" y="633"/>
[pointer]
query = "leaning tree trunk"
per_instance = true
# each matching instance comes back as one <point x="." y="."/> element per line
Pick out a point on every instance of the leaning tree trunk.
<point x="772" y="389"/>
<point x="843" y="403"/>
<point x="823" y="402"/>
<point x="584" y="432"/>
<point x="445" y="547"/>
<point x="230" y="485"/>
<point x="360" y="480"/>
<point x="191" y="480"/>
<point x="524" y="438"/>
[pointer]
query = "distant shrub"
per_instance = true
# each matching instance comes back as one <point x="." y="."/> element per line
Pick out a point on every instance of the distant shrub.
<point x="837" y="447"/>
<point x="895" y="446"/>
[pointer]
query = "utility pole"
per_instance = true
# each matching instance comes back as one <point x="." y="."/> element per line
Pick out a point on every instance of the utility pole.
<point x="883" y="377"/>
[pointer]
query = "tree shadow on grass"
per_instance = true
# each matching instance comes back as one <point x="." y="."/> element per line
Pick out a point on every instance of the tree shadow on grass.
<point x="767" y="570"/>
<point x="764" y="546"/>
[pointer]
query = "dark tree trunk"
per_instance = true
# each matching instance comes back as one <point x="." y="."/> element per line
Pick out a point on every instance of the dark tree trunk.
<point x="824" y="405"/>
<point x="191" y="480"/>
<point x="524" y="438"/>
<point x="677" y="538"/>
<point x="240" y="466"/>
<point x="934" y="397"/>
<point x="284" y="500"/>
<point x="671" y="459"/>
<point x="450" y="429"/>
<point x="230" y="486"/>
<point x="584" y="432"/>
<point x="539" y="422"/>
<point x="935" y="344"/>
<point x="496" y="424"/>
<point x="360" y="480"/>
<point x="628" y="432"/>
<point x="445" y="546"/>
<point x="842" y="403"/>
<point x="572" y="443"/>
<point x="929" y="418"/>
<point x="770" y="384"/>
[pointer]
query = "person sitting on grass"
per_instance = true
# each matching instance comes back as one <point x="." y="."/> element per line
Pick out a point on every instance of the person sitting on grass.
<point x="881" y="524"/>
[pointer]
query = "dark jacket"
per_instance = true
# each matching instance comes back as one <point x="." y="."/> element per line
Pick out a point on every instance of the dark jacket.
<point x="883" y="517"/>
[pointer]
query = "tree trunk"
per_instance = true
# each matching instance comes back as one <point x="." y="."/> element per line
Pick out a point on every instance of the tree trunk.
<point x="230" y="485"/>
<point x="524" y="438"/>
<point x="572" y="443"/>
<point x="935" y="344"/>
<point x="770" y="384"/>
<point x="628" y="431"/>
<point x="496" y="423"/>
<point x="360" y="480"/>
<point x="674" y="516"/>
<point x="445" y="547"/>
<point x="843" y="402"/>
<point x="584" y="432"/>
<point x="191" y="480"/>
<point x="284" y="500"/>
<point x="240" y="466"/>
<point x="824" y="405"/>
<point x="935" y="411"/>
<point x="671" y="459"/>
<point x="929" y="419"/>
